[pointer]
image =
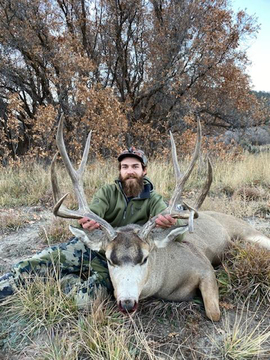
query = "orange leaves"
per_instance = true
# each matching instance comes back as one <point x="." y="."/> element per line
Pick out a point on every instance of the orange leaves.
<point x="126" y="70"/>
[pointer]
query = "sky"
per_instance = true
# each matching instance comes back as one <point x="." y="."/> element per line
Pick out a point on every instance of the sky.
<point x="258" y="49"/>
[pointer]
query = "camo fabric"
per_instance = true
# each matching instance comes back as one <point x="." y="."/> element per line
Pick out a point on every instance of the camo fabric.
<point x="79" y="269"/>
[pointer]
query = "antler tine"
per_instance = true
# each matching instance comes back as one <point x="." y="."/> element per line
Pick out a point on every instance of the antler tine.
<point x="59" y="210"/>
<point x="54" y="182"/>
<point x="76" y="176"/>
<point x="85" y="154"/>
<point x="206" y="187"/>
<point x="176" y="166"/>
<point x="181" y="180"/>
<point x="62" y="211"/>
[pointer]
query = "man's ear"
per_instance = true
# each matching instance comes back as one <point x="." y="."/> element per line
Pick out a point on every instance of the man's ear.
<point x="162" y="237"/>
<point x="95" y="240"/>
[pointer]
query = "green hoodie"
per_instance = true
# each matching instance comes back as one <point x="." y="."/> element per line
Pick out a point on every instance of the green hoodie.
<point x="111" y="204"/>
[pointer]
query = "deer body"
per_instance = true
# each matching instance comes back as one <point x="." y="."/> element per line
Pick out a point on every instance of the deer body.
<point x="176" y="269"/>
<point x="173" y="270"/>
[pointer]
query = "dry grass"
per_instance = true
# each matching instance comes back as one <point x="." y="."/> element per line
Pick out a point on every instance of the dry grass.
<point x="24" y="186"/>
<point x="31" y="185"/>
<point x="39" y="306"/>
<point x="11" y="220"/>
<point x="252" y="170"/>
<point x="56" y="231"/>
<point x="57" y="330"/>
<point x="244" y="336"/>
<point x="43" y="323"/>
<point x="245" y="274"/>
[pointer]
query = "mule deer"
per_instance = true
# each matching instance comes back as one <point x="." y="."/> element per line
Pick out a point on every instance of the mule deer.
<point x="144" y="261"/>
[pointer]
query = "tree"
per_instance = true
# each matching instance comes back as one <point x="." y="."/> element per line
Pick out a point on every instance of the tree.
<point x="129" y="69"/>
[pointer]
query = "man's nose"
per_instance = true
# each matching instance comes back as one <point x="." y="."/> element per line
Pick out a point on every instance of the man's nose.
<point x="131" y="173"/>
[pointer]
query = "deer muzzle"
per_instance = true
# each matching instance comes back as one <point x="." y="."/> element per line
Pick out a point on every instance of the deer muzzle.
<point x="127" y="305"/>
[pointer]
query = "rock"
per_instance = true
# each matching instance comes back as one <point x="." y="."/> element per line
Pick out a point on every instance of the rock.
<point x="256" y="135"/>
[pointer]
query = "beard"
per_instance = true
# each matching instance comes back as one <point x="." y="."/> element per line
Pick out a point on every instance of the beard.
<point x="132" y="185"/>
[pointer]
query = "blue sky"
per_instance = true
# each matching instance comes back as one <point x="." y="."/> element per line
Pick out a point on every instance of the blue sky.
<point x="258" y="50"/>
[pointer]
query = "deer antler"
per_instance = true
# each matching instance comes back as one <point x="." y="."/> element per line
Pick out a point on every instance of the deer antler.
<point x="76" y="176"/>
<point x="206" y="187"/>
<point x="176" y="208"/>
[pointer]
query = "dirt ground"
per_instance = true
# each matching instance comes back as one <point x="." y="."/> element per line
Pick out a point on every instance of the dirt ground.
<point x="20" y="244"/>
<point x="173" y="323"/>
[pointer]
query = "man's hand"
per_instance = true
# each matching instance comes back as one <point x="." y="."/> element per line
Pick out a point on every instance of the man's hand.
<point x="165" y="221"/>
<point x="88" y="224"/>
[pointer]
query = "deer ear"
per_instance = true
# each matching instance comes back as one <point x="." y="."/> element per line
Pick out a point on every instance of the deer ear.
<point x="95" y="240"/>
<point x="162" y="238"/>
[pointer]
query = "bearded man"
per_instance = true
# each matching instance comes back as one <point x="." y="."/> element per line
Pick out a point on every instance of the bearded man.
<point x="130" y="200"/>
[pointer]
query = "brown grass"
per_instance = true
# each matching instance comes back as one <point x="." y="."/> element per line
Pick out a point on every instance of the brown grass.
<point x="245" y="274"/>
<point x="56" y="231"/>
<point x="42" y="323"/>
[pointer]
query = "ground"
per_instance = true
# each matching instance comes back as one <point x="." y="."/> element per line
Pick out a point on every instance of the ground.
<point x="167" y="324"/>
<point x="17" y="245"/>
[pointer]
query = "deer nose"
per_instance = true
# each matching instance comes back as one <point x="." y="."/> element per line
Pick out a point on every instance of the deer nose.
<point x="128" y="305"/>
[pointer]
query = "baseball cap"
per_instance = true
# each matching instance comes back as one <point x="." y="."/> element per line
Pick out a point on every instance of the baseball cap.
<point x="133" y="152"/>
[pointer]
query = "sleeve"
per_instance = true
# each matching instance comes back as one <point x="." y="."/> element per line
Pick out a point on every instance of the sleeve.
<point x="157" y="204"/>
<point x="99" y="203"/>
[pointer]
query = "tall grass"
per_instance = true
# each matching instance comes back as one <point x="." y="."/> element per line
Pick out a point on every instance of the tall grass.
<point x="24" y="186"/>
<point x="30" y="185"/>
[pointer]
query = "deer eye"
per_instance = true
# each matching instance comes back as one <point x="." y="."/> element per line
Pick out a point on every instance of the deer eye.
<point x="110" y="262"/>
<point x="144" y="260"/>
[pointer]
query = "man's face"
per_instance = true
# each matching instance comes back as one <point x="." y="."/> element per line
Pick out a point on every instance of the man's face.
<point x="131" y="175"/>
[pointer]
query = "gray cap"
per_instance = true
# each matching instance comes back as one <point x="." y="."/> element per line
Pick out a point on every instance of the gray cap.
<point x="133" y="152"/>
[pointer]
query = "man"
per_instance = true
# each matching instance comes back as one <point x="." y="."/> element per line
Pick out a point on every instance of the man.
<point x="131" y="199"/>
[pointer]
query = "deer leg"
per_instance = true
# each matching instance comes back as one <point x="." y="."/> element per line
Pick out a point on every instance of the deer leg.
<point x="209" y="290"/>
